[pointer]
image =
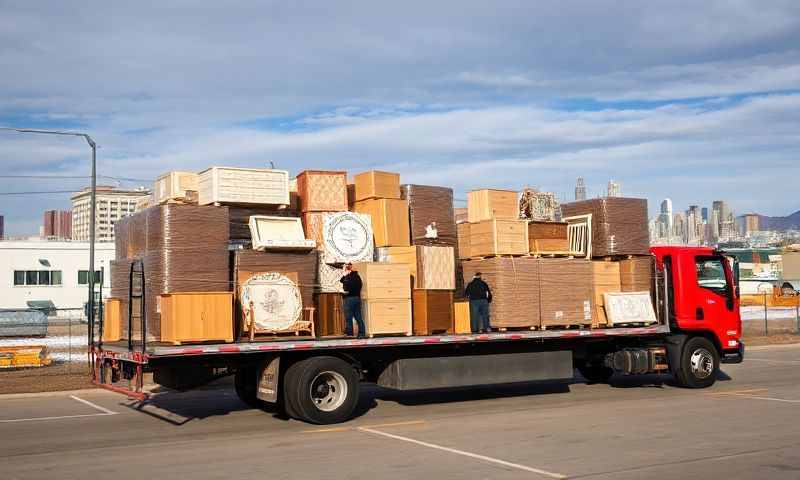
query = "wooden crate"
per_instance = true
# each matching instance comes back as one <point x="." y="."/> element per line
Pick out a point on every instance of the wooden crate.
<point x="463" y="240"/>
<point x="329" y="319"/>
<point x="173" y="186"/>
<point x="390" y="226"/>
<point x="381" y="280"/>
<point x="461" y="317"/>
<point x="382" y="317"/>
<point x="322" y="191"/>
<point x="431" y="267"/>
<point x="547" y="237"/>
<point x="605" y="279"/>
<point x="196" y="317"/>
<point x="432" y="312"/>
<point x="489" y="204"/>
<point x="243" y="186"/>
<point x="112" y="320"/>
<point x="377" y="184"/>
<point x="498" y="237"/>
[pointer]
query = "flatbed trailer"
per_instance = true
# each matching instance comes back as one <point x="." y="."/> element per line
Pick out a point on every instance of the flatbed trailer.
<point x="318" y="379"/>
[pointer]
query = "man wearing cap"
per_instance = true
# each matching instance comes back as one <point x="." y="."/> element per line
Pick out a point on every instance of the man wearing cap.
<point x="351" y="284"/>
<point x="480" y="297"/>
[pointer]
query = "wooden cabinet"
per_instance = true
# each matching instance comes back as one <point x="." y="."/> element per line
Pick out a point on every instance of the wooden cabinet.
<point x="382" y="280"/>
<point x="498" y="237"/>
<point x="329" y="318"/>
<point x="112" y="320"/>
<point x="196" y="317"/>
<point x="489" y="204"/>
<point x="173" y="186"/>
<point x="322" y="191"/>
<point x="377" y="184"/>
<point x="385" y="316"/>
<point x="243" y="186"/>
<point x="432" y="312"/>
<point x="390" y="226"/>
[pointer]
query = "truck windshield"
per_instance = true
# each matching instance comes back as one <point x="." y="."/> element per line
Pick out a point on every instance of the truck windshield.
<point x="711" y="274"/>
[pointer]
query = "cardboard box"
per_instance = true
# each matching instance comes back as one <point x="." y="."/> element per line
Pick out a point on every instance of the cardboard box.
<point x="389" y="221"/>
<point x="382" y="280"/>
<point x="463" y="240"/>
<point x="514" y="283"/>
<point x="605" y="279"/>
<point x="377" y="184"/>
<point x="196" y="317"/>
<point x="322" y="191"/>
<point x="489" y="204"/>
<point x="432" y="312"/>
<point x="498" y="237"/>
<point x="636" y="274"/>
<point x="565" y="291"/>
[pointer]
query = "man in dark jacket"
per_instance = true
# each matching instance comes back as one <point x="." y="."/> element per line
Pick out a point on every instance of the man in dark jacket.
<point x="351" y="283"/>
<point x="480" y="297"/>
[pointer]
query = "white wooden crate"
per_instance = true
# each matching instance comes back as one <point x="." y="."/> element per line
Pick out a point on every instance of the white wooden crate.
<point x="254" y="186"/>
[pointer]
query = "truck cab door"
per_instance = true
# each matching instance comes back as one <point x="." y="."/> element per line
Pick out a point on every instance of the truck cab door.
<point x="715" y="303"/>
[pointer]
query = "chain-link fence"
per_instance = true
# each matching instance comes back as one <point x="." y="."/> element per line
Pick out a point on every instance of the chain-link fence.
<point x="43" y="350"/>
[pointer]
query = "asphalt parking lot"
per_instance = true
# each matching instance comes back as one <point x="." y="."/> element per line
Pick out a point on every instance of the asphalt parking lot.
<point x="746" y="426"/>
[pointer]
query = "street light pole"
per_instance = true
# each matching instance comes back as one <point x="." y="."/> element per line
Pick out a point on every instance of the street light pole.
<point x="93" y="145"/>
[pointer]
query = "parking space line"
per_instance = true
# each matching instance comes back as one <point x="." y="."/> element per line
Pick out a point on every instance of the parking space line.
<point x="466" y="454"/>
<point x="777" y="362"/>
<point x="348" y="429"/>
<point x="93" y="405"/>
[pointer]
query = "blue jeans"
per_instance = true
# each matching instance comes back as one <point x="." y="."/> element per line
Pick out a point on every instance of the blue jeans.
<point x="479" y="315"/>
<point x="352" y="309"/>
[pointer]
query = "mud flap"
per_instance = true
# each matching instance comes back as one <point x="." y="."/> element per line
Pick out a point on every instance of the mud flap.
<point x="268" y="381"/>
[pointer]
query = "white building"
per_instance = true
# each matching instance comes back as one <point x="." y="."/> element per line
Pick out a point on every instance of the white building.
<point x="33" y="273"/>
<point x="112" y="204"/>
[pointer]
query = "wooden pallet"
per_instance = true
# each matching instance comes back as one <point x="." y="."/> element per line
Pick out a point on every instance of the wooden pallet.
<point x="386" y="334"/>
<point x="552" y="254"/>
<point x="486" y="257"/>
<point x="205" y="341"/>
<point x="615" y="258"/>
<point x="515" y="329"/>
<point x="572" y="326"/>
<point x="631" y="325"/>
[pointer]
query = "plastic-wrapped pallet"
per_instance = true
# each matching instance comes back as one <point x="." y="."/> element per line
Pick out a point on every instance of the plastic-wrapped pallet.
<point x="514" y="283"/>
<point x="184" y="248"/>
<point x="565" y="291"/>
<point x="430" y="211"/>
<point x="619" y="225"/>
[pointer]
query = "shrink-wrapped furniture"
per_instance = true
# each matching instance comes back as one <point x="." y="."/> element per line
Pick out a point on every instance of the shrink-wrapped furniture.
<point x="565" y="292"/>
<point x="619" y="225"/>
<point x="431" y="268"/>
<point x="183" y="248"/>
<point x="389" y="219"/>
<point x="430" y="212"/>
<point x="322" y="191"/>
<point x="377" y="184"/>
<point x="605" y="279"/>
<point x="243" y="186"/>
<point x="432" y="312"/>
<point x="196" y="317"/>
<point x="547" y="237"/>
<point x="498" y="237"/>
<point x="488" y="204"/>
<point x="173" y="186"/>
<point x="514" y="282"/>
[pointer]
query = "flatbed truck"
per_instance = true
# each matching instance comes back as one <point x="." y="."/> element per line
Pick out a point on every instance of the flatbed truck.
<point x="318" y="380"/>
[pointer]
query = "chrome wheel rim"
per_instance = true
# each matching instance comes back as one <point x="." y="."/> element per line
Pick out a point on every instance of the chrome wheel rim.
<point x="702" y="363"/>
<point x="328" y="391"/>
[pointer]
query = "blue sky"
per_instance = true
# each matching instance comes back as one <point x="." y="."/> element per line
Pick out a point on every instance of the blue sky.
<point x="695" y="101"/>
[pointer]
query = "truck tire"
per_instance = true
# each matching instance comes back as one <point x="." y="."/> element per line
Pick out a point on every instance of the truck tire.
<point x="321" y="390"/>
<point x="245" y="382"/>
<point x="699" y="364"/>
<point x="596" y="373"/>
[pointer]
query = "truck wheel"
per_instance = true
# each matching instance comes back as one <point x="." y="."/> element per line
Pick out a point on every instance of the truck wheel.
<point x="245" y="382"/>
<point x="699" y="364"/>
<point x="321" y="390"/>
<point x="596" y="373"/>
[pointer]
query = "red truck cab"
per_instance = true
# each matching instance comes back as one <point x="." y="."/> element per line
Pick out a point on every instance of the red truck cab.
<point x="702" y="304"/>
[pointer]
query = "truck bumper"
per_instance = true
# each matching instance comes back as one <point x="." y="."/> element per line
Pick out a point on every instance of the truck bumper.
<point x="734" y="356"/>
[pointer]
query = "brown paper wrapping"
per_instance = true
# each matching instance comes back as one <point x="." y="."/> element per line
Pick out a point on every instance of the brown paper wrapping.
<point x="428" y="205"/>
<point x="619" y="225"/>
<point x="514" y="283"/>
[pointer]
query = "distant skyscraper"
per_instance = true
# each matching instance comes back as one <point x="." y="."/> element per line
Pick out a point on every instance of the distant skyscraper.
<point x="57" y="224"/>
<point x="751" y="223"/>
<point x="666" y="220"/>
<point x="2" y="231"/>
<point x="580" y="190"/>
<point x="614" y="189"/>
<point x="704" y="213"/>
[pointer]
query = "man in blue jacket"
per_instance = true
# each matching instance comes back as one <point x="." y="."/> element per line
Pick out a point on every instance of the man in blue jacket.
<point x="480" y="296"/>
